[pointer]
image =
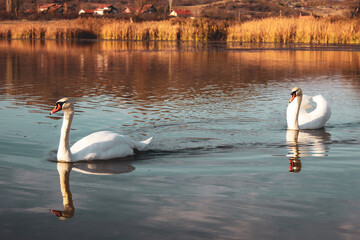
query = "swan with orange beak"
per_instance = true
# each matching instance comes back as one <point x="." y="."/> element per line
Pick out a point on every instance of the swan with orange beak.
<point x="101" y="145"/>
<point x="298" y="115"/>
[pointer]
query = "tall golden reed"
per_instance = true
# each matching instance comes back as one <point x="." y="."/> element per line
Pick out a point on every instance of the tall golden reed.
<point x="58" y="29"/>
<point x="171" y="30"/>
<point x="294" y="30"/>
<point x="125" y="30"/>
<point x="277" y="30"/>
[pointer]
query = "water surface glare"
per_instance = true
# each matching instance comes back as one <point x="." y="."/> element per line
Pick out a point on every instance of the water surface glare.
<point x="222" y="164"/>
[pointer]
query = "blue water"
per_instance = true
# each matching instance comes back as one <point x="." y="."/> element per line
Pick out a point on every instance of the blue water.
<point x="218" y="167"/>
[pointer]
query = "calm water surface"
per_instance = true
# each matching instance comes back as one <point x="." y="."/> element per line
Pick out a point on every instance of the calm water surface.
<point x="221" y="165"/>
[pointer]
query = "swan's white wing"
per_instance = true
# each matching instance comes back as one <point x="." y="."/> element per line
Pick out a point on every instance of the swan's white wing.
<point x="105" y="145"/>
<point x="316" y="118"/>
<point x="305" y="103"/>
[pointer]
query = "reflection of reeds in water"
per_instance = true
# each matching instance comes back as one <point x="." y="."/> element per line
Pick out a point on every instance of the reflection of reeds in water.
<point x="106" y="47"/>
<point x="300" y="61"/>
<point x="281" y="30"/>
<point x="94" y="67"/>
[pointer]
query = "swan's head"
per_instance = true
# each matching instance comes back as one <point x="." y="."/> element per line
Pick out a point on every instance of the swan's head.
<point x="63" y="104"/>
<point x="295" y="92"/>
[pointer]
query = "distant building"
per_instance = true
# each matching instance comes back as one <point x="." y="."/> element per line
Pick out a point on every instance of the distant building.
<point x="105" y="9"/>
<point x="149" y="8"/>
<point x="51" y="8"/>
<point x="181" y="13"/>
<point x="86" y="12"/>
<point x="100" y="10"/>
<point x="130" y="10"/>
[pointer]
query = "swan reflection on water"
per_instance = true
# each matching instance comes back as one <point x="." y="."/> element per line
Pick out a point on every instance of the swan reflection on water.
<point x="93" y="168"/>
<point x="305" y="143"/>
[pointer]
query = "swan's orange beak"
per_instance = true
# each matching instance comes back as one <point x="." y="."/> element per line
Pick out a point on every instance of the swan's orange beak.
<point x="293" y="96"/>
<point x="56" y="109"/>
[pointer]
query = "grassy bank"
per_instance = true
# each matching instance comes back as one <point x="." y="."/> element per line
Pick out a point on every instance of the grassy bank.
<point x="284" y="30"/>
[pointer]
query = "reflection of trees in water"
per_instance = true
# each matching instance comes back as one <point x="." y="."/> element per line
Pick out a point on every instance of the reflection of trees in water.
<point x="138" y="70"/>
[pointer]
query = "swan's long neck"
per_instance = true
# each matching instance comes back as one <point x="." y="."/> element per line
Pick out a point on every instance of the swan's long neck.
<point x="64" y="153"/>
<point x="292" y="113"/>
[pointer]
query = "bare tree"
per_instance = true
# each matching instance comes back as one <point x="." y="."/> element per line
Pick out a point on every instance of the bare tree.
<point x="13" y="6"/>
<point x="140" y="4"/>
<point x="353" y="6"/>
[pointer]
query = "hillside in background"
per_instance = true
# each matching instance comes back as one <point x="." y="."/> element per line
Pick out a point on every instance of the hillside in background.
<point x="266" y="8"/>
<point x="218" y="9"/>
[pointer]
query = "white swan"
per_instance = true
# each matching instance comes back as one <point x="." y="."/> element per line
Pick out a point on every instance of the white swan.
<point x="96" y="146"/>
<point x="297" y="116"/>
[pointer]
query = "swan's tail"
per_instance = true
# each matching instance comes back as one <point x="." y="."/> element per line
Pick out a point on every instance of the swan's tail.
<point x="142" y="144"/>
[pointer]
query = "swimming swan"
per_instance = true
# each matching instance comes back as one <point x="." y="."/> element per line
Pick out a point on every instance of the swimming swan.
<point x="96" y="146"/>
<point x="298" y="118"/>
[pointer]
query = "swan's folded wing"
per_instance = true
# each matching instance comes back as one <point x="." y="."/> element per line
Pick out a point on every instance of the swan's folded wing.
<point x="102" y="145"/>
<point x="322" y="108"/>
<point x="316" y="118"/>
<point x="305" y="103"/>
<point x="105" y="145"/>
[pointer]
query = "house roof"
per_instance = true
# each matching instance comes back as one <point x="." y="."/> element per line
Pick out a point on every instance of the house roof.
<point x="146" y="7"/>
<point x="87" y="11"/>
<point x="47" y="5"/>
<point x="134" y="9"/>
<point x="130" y="9"/>
<point x="54" y="8"/>
<point x="103" y="6"/>
<point x="182" y="11"/>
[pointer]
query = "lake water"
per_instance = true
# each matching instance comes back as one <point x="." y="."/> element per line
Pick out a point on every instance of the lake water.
<point x="220" y="165"/>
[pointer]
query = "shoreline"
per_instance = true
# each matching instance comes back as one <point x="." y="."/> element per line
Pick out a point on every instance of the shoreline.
<point x="268" y="30"/>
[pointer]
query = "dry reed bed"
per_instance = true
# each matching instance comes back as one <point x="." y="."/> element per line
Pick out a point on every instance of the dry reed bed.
<point x="171" y="30"/>
<point x="187" y="30"/>
<point x="59" y="29"/>
<point x="292" y="30"/>
<point x="283" y="30"/>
